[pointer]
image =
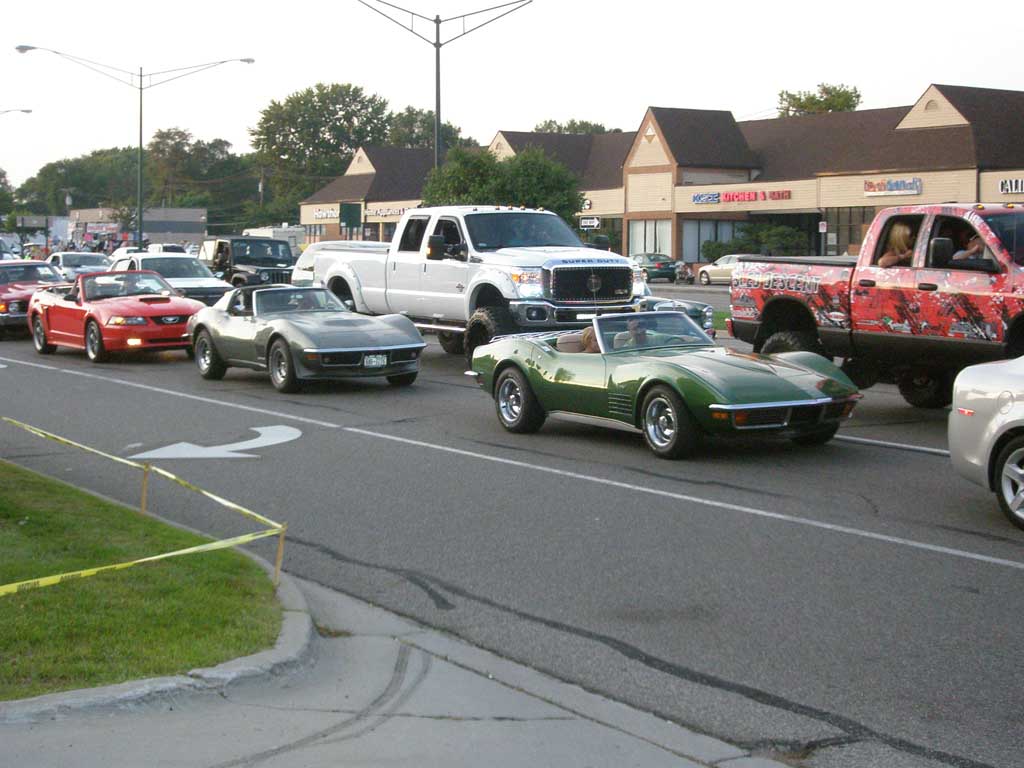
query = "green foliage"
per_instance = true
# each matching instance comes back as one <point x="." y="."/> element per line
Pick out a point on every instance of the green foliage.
<point x="414" y="129"/>
<point x="529" y="178"/>
<point x="828" y="98"/>
<point x="573" y="126"/>
<point x="759" y="237"/>
<point x="101" y="177"/>
<point x="713" y="250"/>
<point x="6" y="193"/>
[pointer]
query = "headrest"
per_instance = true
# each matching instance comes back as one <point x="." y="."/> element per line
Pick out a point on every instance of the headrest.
<point x="570" y="342"/>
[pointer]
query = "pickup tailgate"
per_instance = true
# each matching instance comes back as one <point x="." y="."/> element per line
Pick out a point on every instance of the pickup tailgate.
<point x="765" y="285"/>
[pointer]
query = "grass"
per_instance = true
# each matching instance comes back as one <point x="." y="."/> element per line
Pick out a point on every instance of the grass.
<point x="155" y="619"/>
<point x="721" y="315"/>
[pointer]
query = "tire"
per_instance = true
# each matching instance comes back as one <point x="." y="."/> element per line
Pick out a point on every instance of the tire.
<point x="94" y="343"/>
<point x="926" y="389"/>
<point x="402" y="379"/>
<point x="669" y="429"/>
<point x="282" y="367"/>
<point x="1009" y="481"/>
<point x="792" y="341"/>
<point x="209" y="362"/>
<point x="517" y="407"/>
<point x="451" y="342"/>
<point x="704" y="278"/>
<point x="43" y="347"/>
<point x="484" y="325"/>
<point x="818" y="436"/>
<point x="862" y="374"/>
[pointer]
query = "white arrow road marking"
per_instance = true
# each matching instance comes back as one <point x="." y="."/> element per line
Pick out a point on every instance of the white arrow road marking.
<point x="267" y="436"/>
<point x="2" y="365"/>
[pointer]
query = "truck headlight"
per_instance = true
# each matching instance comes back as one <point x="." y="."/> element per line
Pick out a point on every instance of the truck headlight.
<point x="529" y="282"/>
<point x="126" y="320"/>
<point x="709" y="316"/>
<point x="264" y="277"/>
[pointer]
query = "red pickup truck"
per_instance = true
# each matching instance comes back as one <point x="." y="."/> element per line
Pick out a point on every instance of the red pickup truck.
<point x="934" y="289"/>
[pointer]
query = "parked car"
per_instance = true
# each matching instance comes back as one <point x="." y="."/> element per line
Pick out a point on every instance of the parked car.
<point x="986" y="431"/>
<point x="186" y="274"/>
<point x="18" y="281"/>
<point x="248" y="260"/>
<point x="658" y="373"/>
<point x="111" y="312"/>
<point x="910" y="307"/>
<point x="718" y="271"/>
<point x="166" y="248"/>
<point x="302" y="334"/>
<point x="71" y="264"/>
<point x="125" y="250"/>
<point x="655" y="266"/>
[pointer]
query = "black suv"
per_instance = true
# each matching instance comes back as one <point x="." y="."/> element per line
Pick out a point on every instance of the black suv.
<point x="248" y="260"/>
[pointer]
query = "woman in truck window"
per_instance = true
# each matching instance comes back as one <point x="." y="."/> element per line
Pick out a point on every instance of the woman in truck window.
<point x="901" y="247"/>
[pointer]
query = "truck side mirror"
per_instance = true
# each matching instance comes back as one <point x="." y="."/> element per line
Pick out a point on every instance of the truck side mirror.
<point x="940" y="252"/>
<point x="435" y="247"/>
<point x="462" y="251"/>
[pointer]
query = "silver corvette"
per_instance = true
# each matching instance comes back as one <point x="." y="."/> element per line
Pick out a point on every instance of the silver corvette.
<point x="986" y="431"/>
<point x="302" y="334"/>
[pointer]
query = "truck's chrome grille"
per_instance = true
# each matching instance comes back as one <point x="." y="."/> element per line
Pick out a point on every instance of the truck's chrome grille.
<point x="280" y="275"/>
<point x="580" y="283"/>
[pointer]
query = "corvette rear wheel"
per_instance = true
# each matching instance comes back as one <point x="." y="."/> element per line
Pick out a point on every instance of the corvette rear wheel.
<point x="94" y="343"/>
<point x="43" y="347"/>
<point x="669" y="429"/>
<point x="282" y="369"/>
<point x="926" y="389"/>
<point x="518" y="408"/>
<point x="208" y="361"/>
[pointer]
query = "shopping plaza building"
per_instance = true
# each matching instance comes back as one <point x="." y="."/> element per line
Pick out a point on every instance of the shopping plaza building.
<point x="690" y="175"/>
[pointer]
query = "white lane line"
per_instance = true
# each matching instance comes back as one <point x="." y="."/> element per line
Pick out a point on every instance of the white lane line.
<point x="887" y="444"/>
<point x="162" y="391"/>
<point x="754" y="511"/>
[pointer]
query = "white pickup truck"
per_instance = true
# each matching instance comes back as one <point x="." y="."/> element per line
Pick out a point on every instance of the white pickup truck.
<point x="474" y="272"/>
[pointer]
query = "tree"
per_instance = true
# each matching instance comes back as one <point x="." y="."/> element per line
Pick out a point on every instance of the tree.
<point x="529" y="178"/>
<point x="414" y="128"/>
<point x="765" y="238"/>
<point x="310" y="137"/>
<point x="573" y="126"/>
<point x="829" y="98"/>
<point x="6" y="193"/>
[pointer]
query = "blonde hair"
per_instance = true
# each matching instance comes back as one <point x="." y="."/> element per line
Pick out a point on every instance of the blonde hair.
<point x="901" y="238"/>
<point x="588" y="338"/>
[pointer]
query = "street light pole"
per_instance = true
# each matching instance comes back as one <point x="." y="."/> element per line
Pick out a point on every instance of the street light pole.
<point x="437" y="21"/>
<point x="120" y="76"/>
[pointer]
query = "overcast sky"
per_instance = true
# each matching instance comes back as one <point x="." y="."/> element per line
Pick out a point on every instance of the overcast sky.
<point x="590" y="59"/>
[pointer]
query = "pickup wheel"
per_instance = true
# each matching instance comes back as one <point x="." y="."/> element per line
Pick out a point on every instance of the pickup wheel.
<point x="452" y="342"/>
<point x="518" y="408"/>
<point x="926" y="389"/>
<point x="792" y="341"/>
<point x="669" y="429"/>
<point x="484" y="325"/>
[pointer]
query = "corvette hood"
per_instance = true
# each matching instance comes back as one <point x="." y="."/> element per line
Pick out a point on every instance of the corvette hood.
<point x="349" y="330"/>
<point x="750" y="378"/>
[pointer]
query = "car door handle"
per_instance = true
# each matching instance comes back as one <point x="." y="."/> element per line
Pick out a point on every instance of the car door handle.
<point x="927" y="287"/>
<point x="866" y="283"/>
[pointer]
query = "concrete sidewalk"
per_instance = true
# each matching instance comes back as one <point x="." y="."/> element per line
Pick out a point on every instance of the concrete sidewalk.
<point x="375" y="689"/>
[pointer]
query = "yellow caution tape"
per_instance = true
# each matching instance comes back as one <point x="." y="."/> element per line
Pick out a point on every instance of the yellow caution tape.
<point x="274" y="528"/>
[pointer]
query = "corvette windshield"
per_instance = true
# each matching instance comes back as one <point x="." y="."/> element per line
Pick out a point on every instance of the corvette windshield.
<point x="491" y="231"/>
<point x="177" y="267"/>
<point x="649" y="330"/>
<point x="28" y="273"/>
<point x="277" y="300"/>
<point x="126" y="284"/>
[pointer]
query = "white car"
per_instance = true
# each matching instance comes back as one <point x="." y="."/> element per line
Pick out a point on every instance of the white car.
<point x="186" y="273"/>
<point x="71" y="264"/>
<point x="986" y="431"/>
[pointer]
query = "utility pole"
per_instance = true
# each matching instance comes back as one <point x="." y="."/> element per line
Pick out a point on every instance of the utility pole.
<point x="437" y="21"/>
<point x="138" y="213"/>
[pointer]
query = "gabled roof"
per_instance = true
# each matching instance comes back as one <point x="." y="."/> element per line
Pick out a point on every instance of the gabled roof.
<point x="604" y="163"/>
<point x="343" y="189"/>
<point x="399" y="174"/>
<point x="704" y="138"/>
<point x="854" y="142"/>
<point x="995" y="117"/>
<point x="595" y="158"/>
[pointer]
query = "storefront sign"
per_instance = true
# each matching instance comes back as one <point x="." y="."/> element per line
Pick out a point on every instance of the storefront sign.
<point x="319" y="214"/>
<point x="751" y="196"/>
<point x="1011" y="186"/>
<point x="381" y="212"/>
<point x="883" y="187"/>
<point x="102" y="228"/>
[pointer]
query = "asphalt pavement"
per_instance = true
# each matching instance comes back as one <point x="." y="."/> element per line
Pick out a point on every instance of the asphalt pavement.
<point x="853" y="604"/>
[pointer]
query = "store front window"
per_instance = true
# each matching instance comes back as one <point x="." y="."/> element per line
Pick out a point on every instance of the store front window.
<point x="849" y="226"/>
<point x="650" y="236"/>
<point x="696" y="232"/>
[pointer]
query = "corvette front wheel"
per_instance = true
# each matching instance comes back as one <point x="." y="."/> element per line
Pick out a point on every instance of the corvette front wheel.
<point x="282" y="369"/>
<point x="518" y="408"/>
<point x="669" y="429"/>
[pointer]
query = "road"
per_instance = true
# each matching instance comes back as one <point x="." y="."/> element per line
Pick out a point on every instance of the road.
<point x="851" y="603"/>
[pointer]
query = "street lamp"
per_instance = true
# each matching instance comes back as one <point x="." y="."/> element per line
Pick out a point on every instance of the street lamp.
<point x="5" y="111"/>
<point x="437" y="21"/>
<point x="114" y="73"/>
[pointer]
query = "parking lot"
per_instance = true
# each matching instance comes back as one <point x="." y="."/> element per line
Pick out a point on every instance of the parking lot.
<point x="761" y="592"/>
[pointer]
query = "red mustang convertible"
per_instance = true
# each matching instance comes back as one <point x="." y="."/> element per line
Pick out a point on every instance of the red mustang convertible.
<point x="111" y="312"/>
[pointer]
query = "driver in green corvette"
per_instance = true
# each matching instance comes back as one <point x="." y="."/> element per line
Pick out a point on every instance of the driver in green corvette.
<point x="634" y="337"/>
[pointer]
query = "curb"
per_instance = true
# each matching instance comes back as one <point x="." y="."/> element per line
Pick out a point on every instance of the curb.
<point x="291" y="647"/>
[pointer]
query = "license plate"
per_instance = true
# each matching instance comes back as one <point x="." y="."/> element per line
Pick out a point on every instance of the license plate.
<point x="587" y="316"/>
<point x="375" y="361"/>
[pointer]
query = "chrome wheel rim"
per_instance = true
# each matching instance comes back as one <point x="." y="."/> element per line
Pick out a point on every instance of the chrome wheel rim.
<point x="510" y="401"/>
<point x="38" y="334"/>
<point x="278" y="365"/>
<point x="1011" y="483"/>
<point x="92" y="341"/>
<point x="203" y="355"/>
<point x="660" y="422"/>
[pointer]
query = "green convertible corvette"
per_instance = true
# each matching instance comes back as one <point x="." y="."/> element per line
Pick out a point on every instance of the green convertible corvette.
<point x="660" y="374"/>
